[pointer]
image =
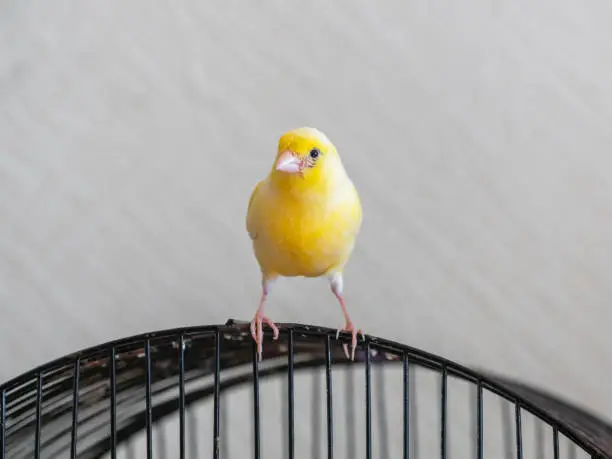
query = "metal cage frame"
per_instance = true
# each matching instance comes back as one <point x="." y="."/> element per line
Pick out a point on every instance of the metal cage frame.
<point x="87" y="379"/>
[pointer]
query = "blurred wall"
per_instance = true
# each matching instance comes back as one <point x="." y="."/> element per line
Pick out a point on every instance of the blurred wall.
<point x="478" y="135"/>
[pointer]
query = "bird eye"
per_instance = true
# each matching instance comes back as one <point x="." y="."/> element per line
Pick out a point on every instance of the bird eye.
<point x="314" y="153"/>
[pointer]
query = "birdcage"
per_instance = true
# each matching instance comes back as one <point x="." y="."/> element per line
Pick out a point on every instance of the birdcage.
<point x="201" y="392"/>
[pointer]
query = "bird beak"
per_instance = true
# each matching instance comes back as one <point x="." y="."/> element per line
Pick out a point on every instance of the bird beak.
<point x="289" y="162"/>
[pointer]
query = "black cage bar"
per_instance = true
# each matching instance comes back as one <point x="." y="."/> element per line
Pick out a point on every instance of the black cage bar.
<point x="144" y="392"/>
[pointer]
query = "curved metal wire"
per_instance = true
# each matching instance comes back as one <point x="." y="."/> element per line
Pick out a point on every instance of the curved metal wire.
<point x="88" y="403"/>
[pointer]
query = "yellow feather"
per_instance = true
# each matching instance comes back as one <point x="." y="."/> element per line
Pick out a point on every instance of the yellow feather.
<point x="304" y="224"/>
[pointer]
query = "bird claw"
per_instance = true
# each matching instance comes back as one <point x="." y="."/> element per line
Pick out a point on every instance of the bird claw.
<point x="257" y="331"/>
<point x="349" y="327"/>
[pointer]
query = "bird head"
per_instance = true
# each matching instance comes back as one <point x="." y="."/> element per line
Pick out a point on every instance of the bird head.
<point x="305" y="158"/>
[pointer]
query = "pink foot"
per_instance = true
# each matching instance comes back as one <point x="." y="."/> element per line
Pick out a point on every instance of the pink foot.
<point x="349" y="327"/>
<point x="257" y="330"/>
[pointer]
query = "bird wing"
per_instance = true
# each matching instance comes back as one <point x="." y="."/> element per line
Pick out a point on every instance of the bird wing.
<point x="352" y="212"/>
<point x="344" y="223"/>
<point x="251" y="222"/>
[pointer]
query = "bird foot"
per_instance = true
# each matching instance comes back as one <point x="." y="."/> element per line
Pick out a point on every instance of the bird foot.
<point x="257" y="330"/>
<point x="349" y="327"/>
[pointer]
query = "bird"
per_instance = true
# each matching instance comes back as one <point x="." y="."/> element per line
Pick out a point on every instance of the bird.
<point x="303" y="219"/>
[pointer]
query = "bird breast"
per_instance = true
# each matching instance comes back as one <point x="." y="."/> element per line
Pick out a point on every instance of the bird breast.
<point x="304" y="237"/>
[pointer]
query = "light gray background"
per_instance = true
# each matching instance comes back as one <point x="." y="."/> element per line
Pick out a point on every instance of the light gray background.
<point x="478" y="135"/>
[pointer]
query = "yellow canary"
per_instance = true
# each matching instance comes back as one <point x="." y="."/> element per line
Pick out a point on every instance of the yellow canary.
<point x="303" y="219"/>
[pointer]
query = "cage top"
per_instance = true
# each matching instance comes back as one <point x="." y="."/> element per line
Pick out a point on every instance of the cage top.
<point x="307" y="342"/>
<point x="237" y="331"/>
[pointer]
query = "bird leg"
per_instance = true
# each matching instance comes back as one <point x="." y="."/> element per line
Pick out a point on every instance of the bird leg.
<point x="337" y="286"/>
<point x="349" y="327"/>
<point x="259" y="320"/>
